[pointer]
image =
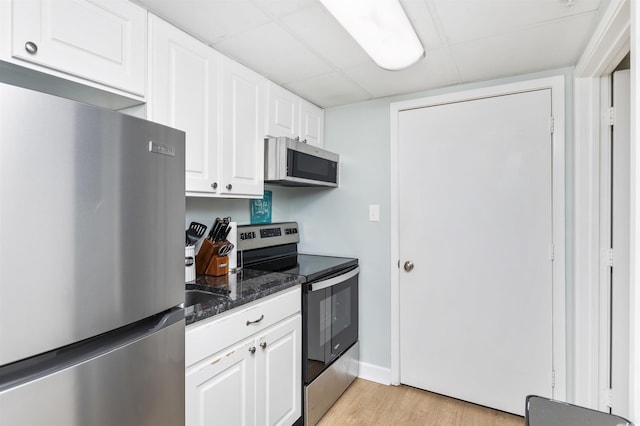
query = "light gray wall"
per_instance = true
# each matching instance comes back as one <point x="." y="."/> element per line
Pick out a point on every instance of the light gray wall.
<point x="336" y="221"/>
<point x="205" y="210"/>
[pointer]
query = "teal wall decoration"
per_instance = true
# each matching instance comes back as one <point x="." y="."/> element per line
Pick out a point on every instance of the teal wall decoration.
<point x="261" y="209"/>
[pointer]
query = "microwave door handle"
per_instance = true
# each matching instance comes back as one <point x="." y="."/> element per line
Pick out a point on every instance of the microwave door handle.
<point x="335" y="280"/>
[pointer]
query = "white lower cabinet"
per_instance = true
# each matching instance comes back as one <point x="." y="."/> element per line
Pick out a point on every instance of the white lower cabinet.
<point x="220" y="392"/>
<point x="278" y="373"/>
<point x="254" y="381"/>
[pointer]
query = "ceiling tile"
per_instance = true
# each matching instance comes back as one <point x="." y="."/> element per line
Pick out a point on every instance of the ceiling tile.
<point x="277" y="8"/>
<point x="423" y="24"/>
<point x="547" y="46"/>
<point x="321" y="32"/>
<point x="465" y="20"/>
<point x="273" y="52"/>
<point x="435" y="70"/>
<point x="297" y="44"/>
<point x="210" y="20"/>
<point x="329" y="90"/>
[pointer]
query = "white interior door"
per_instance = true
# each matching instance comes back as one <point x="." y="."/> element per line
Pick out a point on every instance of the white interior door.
<point x="475" y="209"/>
<point x="620" y="242"/>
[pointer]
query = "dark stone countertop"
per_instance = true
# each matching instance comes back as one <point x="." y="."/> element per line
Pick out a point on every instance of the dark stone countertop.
<point x="230" y="291"/>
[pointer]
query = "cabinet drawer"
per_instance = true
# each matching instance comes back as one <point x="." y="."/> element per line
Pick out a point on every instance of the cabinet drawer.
<point x="220" y="332"/>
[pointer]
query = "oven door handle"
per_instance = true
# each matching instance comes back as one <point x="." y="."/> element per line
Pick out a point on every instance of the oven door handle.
<point x="335" y="280"/>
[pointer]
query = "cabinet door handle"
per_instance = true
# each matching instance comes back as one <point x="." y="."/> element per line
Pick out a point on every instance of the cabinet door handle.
<point x="252" y="349"/>
<point x="214" y="185"/>
<point x="31" y="47"/>
<point x="256" y="321"/>
<point x="263" y="345"/>
<point x="229" y="187"/>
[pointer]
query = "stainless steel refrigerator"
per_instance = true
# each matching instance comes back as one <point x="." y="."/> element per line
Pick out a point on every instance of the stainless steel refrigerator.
<point x="91" y="265"/>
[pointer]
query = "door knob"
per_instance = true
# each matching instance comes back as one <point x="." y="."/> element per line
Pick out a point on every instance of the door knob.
<point x="408" y="266"/>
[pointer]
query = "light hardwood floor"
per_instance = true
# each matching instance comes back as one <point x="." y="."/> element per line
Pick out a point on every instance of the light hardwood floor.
<point x="369" y="403"/>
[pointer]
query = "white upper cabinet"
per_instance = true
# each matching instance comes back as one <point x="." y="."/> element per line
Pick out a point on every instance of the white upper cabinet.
<point x="311" y="123"/>
<point x="101" y="41"/>
<point x="243" y="100"/>
<point x="283" y="112"/>
<point x="290" y="115"/>
<point x="218" y="103"/>
<point x="184" y="93"/>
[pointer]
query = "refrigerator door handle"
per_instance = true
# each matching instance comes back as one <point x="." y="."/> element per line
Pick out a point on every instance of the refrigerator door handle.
<point x="169" y="318"/>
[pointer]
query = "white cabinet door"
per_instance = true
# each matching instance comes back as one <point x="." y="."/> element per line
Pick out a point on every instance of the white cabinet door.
<point x="278" y="373"/>
<point x="289" y="115"/>
<point x="99" y="40"/>
<point x="311" y="123"/>
<point x="221" y="389"/>
<point x="183" y="93"/>
<point x="283" y="112"/>
<point x="243" y="94"/>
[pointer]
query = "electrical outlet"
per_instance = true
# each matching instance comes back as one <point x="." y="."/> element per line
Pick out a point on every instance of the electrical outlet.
<point x="374" y="213"/>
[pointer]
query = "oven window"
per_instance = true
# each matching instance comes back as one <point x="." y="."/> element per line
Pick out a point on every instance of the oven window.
<point x="331" y="325"/>
<point x="307" y="166"/>
<point x="340" y="317"/>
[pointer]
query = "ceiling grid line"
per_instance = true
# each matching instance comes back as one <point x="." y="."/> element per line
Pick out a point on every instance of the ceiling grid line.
<point x="300" y="46"/>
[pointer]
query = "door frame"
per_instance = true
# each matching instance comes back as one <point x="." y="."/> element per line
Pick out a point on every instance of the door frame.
<point x="556" y="84"/>
<point x="610" y="43"/>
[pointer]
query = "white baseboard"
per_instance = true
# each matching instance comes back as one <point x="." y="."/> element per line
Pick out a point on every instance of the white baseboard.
<point x="375" y="373"/>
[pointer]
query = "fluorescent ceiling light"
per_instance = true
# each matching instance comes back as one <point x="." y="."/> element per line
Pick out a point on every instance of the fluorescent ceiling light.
<point x="381" y="28"/>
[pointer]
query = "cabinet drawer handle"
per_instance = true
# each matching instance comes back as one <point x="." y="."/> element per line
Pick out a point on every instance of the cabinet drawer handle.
<point x="263" y="345"/>
<point x="229" y="187"/>
<point x="214" y="185"/>
<point x="256" y="321"/>
<point x="252" y="349"/>
<point x="31" y="47"/>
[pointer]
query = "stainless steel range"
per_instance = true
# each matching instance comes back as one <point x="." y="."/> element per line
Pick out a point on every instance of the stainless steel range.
<point x="329" y="309"/>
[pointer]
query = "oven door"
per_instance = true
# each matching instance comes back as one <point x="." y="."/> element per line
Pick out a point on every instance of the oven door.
<point x="330" y="322"/>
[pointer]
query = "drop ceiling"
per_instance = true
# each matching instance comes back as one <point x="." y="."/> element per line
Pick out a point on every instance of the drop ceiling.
<point x="299" y="45"/>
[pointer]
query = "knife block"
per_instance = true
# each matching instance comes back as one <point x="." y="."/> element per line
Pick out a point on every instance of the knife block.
<point x="218" y="266"/>
<point x="208" y="262"/>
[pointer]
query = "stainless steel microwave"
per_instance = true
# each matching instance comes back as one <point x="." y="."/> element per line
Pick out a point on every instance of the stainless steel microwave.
<point x="290" y="162"/>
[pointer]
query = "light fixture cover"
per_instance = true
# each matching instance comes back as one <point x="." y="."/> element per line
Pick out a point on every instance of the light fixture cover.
<point x="381" y="28"/>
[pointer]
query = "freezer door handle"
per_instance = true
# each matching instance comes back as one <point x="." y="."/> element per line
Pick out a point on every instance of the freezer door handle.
<point x="169" y="318"/>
